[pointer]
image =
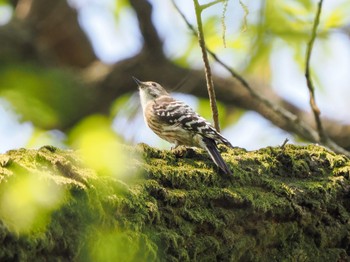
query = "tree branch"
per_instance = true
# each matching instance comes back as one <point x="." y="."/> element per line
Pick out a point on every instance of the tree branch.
<point x="152" y="42"/>
<point x="57" y="33"/>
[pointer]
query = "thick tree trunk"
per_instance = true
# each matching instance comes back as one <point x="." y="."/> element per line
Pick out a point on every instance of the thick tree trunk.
<point x="289" y="203"/>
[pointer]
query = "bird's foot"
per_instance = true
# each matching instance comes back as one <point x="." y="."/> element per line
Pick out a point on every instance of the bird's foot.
<point x="182" y="151"/>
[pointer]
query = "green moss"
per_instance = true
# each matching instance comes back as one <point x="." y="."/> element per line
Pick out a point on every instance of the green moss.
<point x="281" y="204"/>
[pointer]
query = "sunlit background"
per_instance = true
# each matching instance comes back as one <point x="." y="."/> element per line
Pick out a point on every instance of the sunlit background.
<point x="39" y="186"/>
<point x="107" y="21"/>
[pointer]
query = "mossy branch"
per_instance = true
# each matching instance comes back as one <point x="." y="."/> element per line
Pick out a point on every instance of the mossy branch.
<point x="282" y="204"/>
<point x="208" y="76"/>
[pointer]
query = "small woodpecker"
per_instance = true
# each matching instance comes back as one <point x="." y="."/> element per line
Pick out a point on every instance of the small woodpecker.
<point x="177" y="123"/>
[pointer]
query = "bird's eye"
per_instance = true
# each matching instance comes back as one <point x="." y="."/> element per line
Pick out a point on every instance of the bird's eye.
<point x="154" y="84"/>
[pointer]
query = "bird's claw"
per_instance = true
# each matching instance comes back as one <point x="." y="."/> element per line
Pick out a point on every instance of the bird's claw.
<point x="179" y="151"/>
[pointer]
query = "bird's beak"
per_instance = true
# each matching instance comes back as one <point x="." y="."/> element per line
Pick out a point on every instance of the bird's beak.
<point x="138" y="82"/>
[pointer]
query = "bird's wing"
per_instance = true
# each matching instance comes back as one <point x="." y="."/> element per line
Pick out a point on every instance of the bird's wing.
<point x="174" y="112"/>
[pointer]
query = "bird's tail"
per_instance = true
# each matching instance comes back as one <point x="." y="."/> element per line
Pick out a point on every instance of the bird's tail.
<point x="214" y="153"/>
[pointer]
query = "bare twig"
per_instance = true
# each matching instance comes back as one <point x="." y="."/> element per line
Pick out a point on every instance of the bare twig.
<point x="323" y="137"/>
<point x="284" y="143"/>
<point x="246" y="12"/>
<point x="310" y="85"/>
<point x="208" y="76"/>
<point x="223" y="24"/>
<point x="300" y="127"/>
<point x="204" y="6"/>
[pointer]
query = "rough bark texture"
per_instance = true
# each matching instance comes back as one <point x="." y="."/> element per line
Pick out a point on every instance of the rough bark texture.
<point x="281" y="204"/>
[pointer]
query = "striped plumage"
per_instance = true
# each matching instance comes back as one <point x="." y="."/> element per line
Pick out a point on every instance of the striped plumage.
<point x="177" y="123"/>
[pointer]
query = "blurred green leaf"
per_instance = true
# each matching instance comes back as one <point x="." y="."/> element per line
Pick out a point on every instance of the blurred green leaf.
<point x="335" y="19"/>
<point x="99" y="146"/>
<point x="307" y="4"/>
<point x="120" y="6"/>
<point x="204" y="109"/>
<point x="232" y="116"/>
<point x="120" y="246"/>
<point x="289" y="21"/>
<point x="213" y="32"/>
<point x="46" y="97"/>
<point x="27" y="201"/>
<point x="4" y="2"/>
<point x="339" y="17"/>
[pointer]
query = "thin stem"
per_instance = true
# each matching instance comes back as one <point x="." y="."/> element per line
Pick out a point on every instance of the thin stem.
<point x="208" y="75"/>
<point x="204" y="6"/>
<point x="310" y="85"/>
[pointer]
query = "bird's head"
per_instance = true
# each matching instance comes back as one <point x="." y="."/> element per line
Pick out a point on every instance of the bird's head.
<point x="150" y="90"/>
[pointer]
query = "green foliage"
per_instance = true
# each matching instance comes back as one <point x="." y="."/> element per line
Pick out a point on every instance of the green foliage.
<point x="28" y="201"/>
<point x="99" y="146"/>
<point x="338" y="17"/>
<point x="43" y="96"/>
<point x="291" y="23"/>
<point x="119" y="245"/>
<point x="277" y="24"/>
<point x="4" y="3"/>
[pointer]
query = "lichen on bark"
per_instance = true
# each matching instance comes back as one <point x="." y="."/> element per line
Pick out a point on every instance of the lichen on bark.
<point x="289" y="203"/>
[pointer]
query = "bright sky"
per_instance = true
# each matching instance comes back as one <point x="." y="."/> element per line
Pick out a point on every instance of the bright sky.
<point x="331" y="63"/>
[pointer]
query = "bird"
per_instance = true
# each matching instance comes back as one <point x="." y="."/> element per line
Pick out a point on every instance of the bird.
<point x="177" y="123"/>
